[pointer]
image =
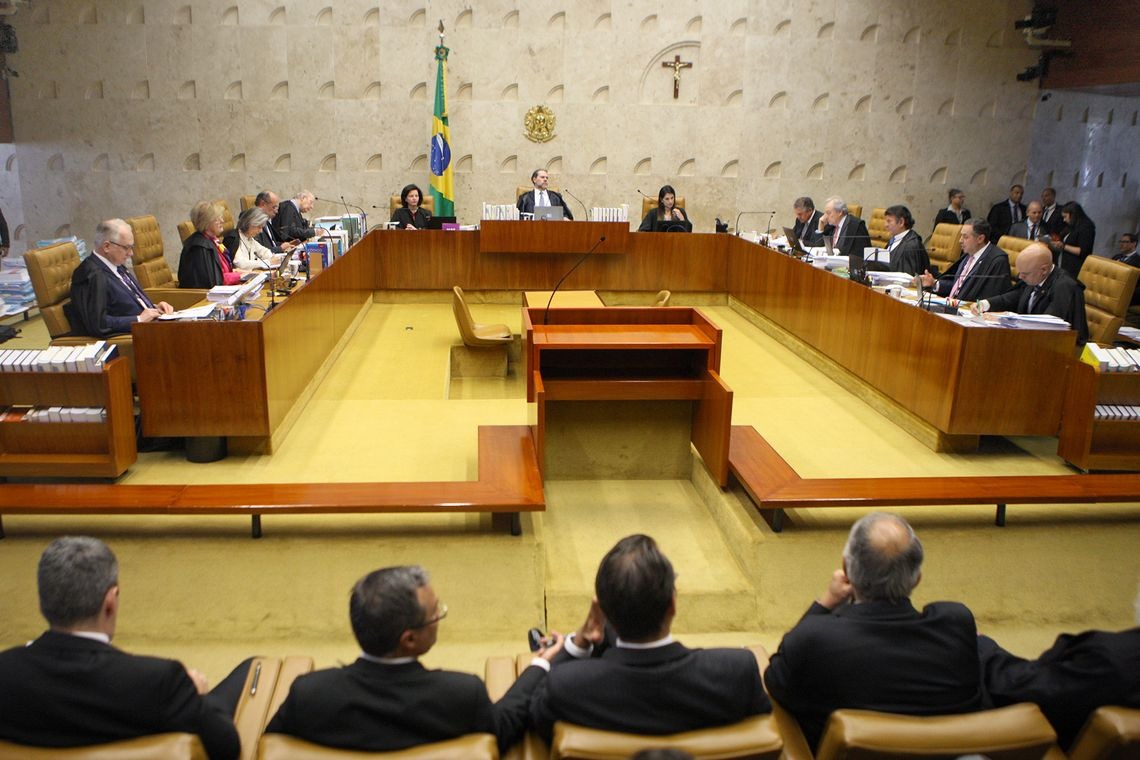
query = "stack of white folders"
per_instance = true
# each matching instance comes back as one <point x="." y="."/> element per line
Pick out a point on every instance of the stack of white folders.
<point x="1115" y="359"/>
<point x="1032" y="321"/>
<point x="1116" y="412"/>
<point x="231" y="294"/>
<point x="86" y="358"/>
<point x="890" y="278"/>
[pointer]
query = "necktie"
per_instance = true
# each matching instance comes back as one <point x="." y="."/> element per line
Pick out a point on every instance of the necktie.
<point x="542" y="199"/>
<point x="1032" y="231"/>
<point x="835" y="235"/>
<point x="133" y="286"/>
<point x="963" y="274"/>
<point x="1033" y="296"/>
<point x="1016" y="211"/>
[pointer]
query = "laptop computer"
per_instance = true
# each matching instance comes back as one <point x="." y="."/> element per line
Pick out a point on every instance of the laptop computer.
<point x="437" y="222"/>
<point x="794" y="240"/>
<point x="548" y="213"/>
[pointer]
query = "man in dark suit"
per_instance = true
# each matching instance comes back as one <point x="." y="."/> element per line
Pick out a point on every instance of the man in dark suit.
<point x="1051" y="218"/>
<point x="1070" y="680"/>
<point x="645" y="683"/>
<point x="981" y="272"/>
<point x="290" y="223"/>
<point x="1031" y="227"/>
<point x="907" y="253"/>
<point x="541" y="195"/>
<point x="864" y="645"/>
<point x="387" y="700"/>
<point x="105" y="296"/>
<point x="1005" y="214"/>
<point x="848" y="233"/>
<point x="270" y="236"/>
<point x="71" y="688"/>
<point x="807" y="222"/>
<point x="1044" y="289"/>
<point x="1128" y="251"/>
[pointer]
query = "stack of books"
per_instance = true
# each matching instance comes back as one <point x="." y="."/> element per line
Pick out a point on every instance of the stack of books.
<point x="87" y="358"/>
<point x="1108" y="359"/>
<point x="53" y="414"/>
<point x="1116" y="412"/>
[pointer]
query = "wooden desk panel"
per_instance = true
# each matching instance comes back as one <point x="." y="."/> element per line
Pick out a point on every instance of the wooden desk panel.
<point x="541" y="238"/>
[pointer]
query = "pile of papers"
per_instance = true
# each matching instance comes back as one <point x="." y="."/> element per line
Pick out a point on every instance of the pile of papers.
<point x="890" y="278"/>
<point x="86" y="358"/>
<point x="1112" y="359"/>
<point x="80" y="245"/>
<point x="16" y="293"/>
<point x="231" y="294"/>
<point x="194" y="312"/>
<point x="1032" y="321"/>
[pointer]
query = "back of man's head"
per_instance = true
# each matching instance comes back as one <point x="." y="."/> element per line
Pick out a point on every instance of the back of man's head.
<point x="635" y="585"/>
<point x="74" y="575"/>
<point x="883" y="558"/>
<point x="383" y="605"/>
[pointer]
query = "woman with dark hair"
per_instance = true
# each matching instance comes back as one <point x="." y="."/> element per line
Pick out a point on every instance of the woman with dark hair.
<point x="1075" y="241"/>
<point x="410" y="215"/>
<point x="955" y="213"/>
<point x="667" y="217"/>
<point x="908" y="254"/>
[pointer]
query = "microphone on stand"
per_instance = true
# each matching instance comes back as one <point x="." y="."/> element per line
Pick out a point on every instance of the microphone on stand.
<point x="578" y="263"/>
<point x="272" y="278"/>
<point x="746" y="213"/>
<point x="585" y="211"/>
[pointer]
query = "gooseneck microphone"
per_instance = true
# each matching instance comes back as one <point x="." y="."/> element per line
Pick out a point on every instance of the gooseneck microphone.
<point x="746" y="213"/>
<point x="585" y="211"/>
<point x="578" y="263"/>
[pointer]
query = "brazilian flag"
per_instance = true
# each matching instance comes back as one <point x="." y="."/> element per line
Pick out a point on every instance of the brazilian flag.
<point x="442" y="176"/>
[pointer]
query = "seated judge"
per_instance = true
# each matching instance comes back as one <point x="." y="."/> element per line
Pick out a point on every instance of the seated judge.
<point x="541" y="195"/>
<point x="290" y="221"/>
<point x="848" y="233"/>
<point x="269" y="203"/>
<point x="70" y="687"/>
<point x="205" y="262"/>
<point x="807" y="224"/>
<point x="1031" y="228"/>
<point x="981" y="272"/>
<point x="667" y="217"/>
<point x="105" y="296"/>
<point x="907" y="252"/>
<point x="387" y="700"/>
<point x="643" y="681"/>
<point x="1076" y="240"/>
<point x="955" y="213"/>
<point x="242" y="242"/>
<point x="410" y="215"/>
<point x="1044" y="289"/>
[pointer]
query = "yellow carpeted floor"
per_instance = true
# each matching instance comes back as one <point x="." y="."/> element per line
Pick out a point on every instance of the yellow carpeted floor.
<point x="201" y="590"/>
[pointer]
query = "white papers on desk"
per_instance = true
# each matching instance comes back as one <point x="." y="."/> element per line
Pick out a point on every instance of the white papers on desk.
<point x="231" y="294"/>
<point x="966" y="320"/>
<point x="195" y="312"/>
<point x="1130" y="332"/>
<point x="1031" y="321"/>
<point x="890" y="278"/>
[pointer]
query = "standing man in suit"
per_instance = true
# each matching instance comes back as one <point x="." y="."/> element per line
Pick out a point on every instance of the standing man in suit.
<point x="645" y="683"/>
<point x="290" y="223"/>
<point x="955" y="213"/>
<point x="71" y="688"/>
<point x="1005" y="214"/>
<point x="807" y="222"/>
<point x="1031" y="228"/>
<point x="905" y="247"/>
<point x="387" y="700"/>
<point x="105" y="296"/>
<point x="981" y="272"/>
<point x="848" y="233"/>
<point x="864" y="645"/>
<point x="1044" y="289"/>
<point x="541" y="196"/>
<point x="1051" y="212"/>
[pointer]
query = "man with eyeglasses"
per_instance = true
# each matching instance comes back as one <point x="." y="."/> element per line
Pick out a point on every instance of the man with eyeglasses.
<point x="387" y="700"/>
<point x="106" y="299"/>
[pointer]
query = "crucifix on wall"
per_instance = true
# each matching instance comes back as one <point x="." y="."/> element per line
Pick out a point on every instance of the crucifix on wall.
<point x="677" y="64"/>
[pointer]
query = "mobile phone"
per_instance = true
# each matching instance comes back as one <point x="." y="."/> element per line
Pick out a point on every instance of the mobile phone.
<point x="534" y="639"/>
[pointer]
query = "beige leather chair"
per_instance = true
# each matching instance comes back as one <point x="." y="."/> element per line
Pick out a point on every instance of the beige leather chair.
<point x="1108" y="295"/>
<point x="1111" y="733"/>
<point x="470" y="747"/>
<point x="266" y="686"/>
<point x="647" y="204"/>
<point x="944" y="246"/>
<point x="247" y="202"/>
<point x="228" y="221"/>
<point x="50" y="270"/>
<point x="855" y="209"/>
<point x="151" y="269"/>
<point x="662" y="298"/>
<point x="1012" y="246"/>
<point x="755" y="737"/>
<point x="1016" y="732"/>
<point x="530" y="188"/>
<point x="185" y="229"/>
<point x="427" y="202"/>
<point x="474" y="334"/>
<point x="156" y="747"/>
<point x="877" y="226"/>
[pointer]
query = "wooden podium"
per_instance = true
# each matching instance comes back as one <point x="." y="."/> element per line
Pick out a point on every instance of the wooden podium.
<point x="631" y="354"/>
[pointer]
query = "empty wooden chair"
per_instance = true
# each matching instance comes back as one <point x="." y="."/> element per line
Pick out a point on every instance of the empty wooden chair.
<point x="474" y="334"/>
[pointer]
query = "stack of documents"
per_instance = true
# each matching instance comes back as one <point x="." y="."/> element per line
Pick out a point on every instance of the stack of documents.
<point x="1109" y="359"/>
<point x="80" y="245"/>
<point x="231" y="294"/>
<point x="1032" y="321"/>
<point x="890" y="278"/>
<point x="194" y="312"/>
<point x="16" y="293"/>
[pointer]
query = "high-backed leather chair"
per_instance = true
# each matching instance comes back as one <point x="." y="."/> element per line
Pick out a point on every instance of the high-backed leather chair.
<point x="944" y="247"/>
<point x="266" y="685"/>
<point x="185" y="229"/>
<point x="1012" y="246"/>
<point x="427" y="202"/>
<point x="1111" y="733"/>
<point x="247" y="202"/>
<point x="877" y="227"/>
<point x="155" y="747"/>
<point x="228" y="221"/>
<point x="1016" y="732"/>
<point x="855" y="209"/>
<point x="151" y="268"/>
<point x="50" y="271"/>
<point x="469" y="747"/>
<point x="755" y="737"/>
<point x="474" y="334"/>
<point x="647" y="204"/>
<point x="530" y="189"/>
<point x="1108" y="294"/>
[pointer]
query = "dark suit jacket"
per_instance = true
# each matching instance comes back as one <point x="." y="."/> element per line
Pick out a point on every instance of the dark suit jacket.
<point x="526" y="203"/>
<point x="946" y="216"/>
<point x="198" y="267"/>
<point x="809" y="233"/>
<point x="651" y="691"/>
<point x="1001" y="217"/>
<point x="271" y="238"/>
<point x="910" y="255"/>
<point x="289" y="223"/>
<point x="68" y="691"/>
<point x="853" y="238"/>
<point x="1021" y="230"/>
<point x="877" y="656"/>
<point x="650" y="222"/>
<point x="1055" y="223"/>
<point x="1060" y="295"/>
<point x="989" y="277"/>
<point x="403" y="215"/>
<point x="1068" y="681"/>
<point x="1083" y="235"/>
<point x="374" y="707"/>
<point x="100" y="304"/>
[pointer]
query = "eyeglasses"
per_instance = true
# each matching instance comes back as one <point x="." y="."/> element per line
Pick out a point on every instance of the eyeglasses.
<point x="441" y="613"/>
<point x="124" y="247"/>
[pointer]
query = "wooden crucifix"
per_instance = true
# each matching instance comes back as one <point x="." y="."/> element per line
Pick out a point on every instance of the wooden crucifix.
<point x="677" y="64"/>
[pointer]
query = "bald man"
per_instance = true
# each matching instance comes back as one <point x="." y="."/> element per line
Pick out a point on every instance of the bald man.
<point x="1044" y="289"/>
<point x="864" y="645"/>
<point x="1031" y="228"/>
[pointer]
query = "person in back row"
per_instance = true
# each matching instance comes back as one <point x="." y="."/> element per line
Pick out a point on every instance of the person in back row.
<point x="864" y="645"/>
<point x="955" y="213"/>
